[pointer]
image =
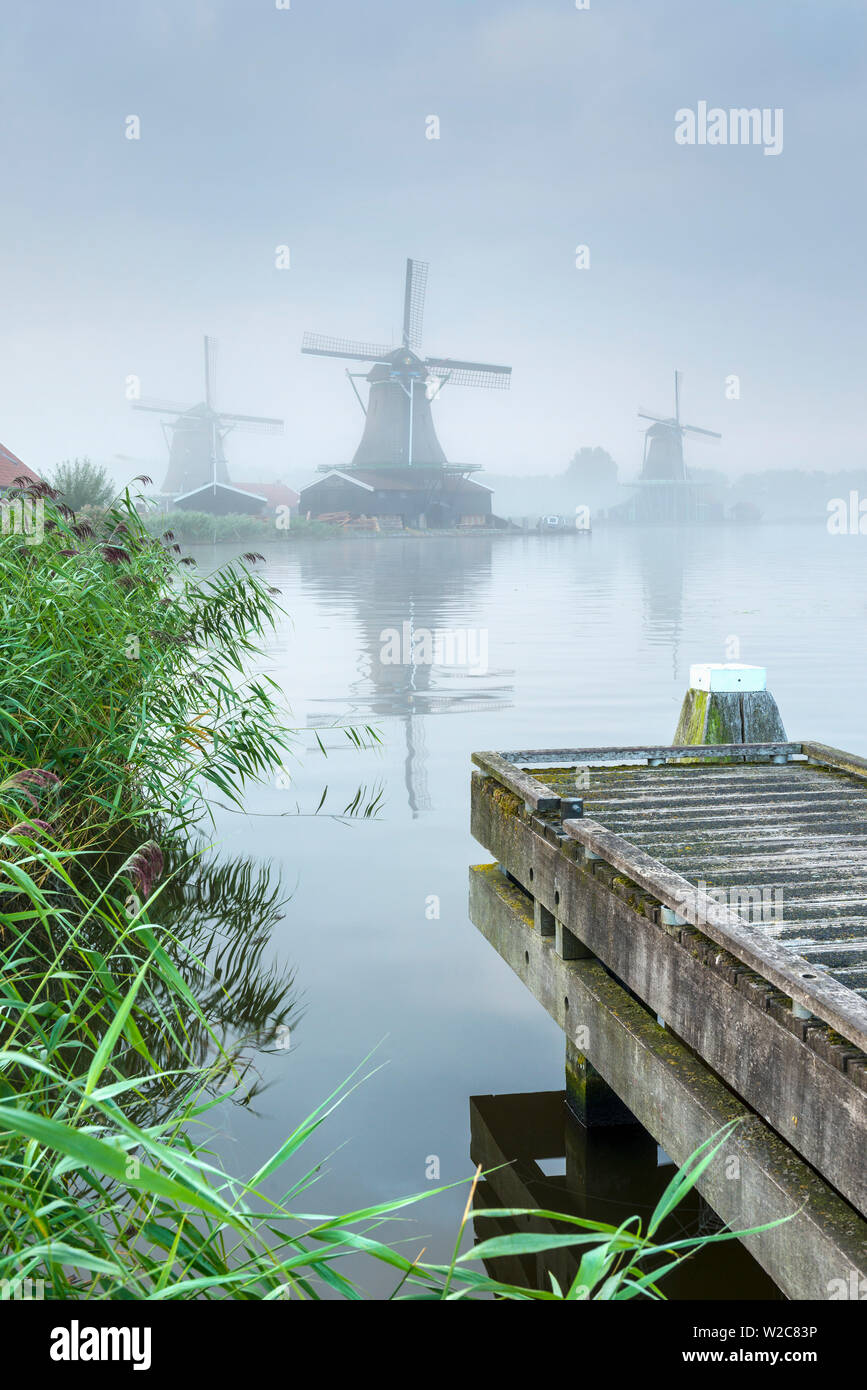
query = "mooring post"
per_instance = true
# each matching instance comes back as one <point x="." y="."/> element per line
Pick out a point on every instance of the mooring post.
<point x="729" y="703"/>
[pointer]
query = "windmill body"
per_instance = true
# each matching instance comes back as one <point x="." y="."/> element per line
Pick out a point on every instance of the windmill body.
<point x="400" y="460"/>
<point x="663" y="454"/>
<point x="196" y="452"/>
<point x="390" y="438"/>
<point x="664" y="490"/>
<point x="198" y="472"/>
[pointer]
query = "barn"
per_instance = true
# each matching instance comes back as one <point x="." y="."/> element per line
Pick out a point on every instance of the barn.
<point x="418" y="498"/>
<point x="221" y="499"/>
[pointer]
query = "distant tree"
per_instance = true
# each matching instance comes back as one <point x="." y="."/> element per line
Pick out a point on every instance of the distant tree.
<point x="745" y="512"/>
<point x="81" y="483"/>
<point x="593" y="471"/>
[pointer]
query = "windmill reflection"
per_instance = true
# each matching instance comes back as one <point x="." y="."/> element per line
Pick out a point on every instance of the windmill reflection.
<point x="419" y="585"/>
<point x="662" y="563"/>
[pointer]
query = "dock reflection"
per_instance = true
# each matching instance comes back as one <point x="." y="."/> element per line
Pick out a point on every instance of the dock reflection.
<point x="607" y="1174"/>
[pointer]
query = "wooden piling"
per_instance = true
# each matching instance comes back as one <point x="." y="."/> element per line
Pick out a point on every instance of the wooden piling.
<point x="728" y="703"/>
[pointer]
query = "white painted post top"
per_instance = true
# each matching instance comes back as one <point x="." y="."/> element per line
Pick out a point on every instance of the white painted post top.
<point x="726" y="676"/>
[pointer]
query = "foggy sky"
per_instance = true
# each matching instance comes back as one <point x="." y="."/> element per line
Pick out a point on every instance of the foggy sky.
<point x="306" y="127"/>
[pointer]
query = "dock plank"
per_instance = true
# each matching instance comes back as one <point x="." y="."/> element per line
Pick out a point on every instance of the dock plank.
<point x="784" y="968"/>
<point x="679" y="820"/>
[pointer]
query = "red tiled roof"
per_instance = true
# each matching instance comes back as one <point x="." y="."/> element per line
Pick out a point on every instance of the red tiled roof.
<point x="277" y="494"/>
<point x="12" y="467"/>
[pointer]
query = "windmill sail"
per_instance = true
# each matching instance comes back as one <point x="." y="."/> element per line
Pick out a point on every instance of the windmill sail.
<point x="320" y="345"/>
<point x="413" y="306"/>
<point x="471" y="373"/>
<point x="399" y="429"/>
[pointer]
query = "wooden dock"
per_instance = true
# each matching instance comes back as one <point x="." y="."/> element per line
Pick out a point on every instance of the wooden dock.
<point x="722" y="889"/>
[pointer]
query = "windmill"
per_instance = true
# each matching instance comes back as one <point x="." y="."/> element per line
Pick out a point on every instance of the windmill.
<point x="399" y="430"/>
<point x="663" y="444"/>
<point x="195" y="437"/>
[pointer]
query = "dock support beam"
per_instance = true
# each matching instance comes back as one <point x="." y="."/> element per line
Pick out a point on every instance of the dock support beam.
<point x="756" y="1178"/>
<point x="589" y="1097"/>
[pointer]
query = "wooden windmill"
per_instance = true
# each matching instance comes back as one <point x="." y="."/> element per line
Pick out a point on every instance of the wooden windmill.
<point x="664" y="491"/>
<point x="399" y="430"/>
<point x="195" y="436"/>
<point x="663" y="443"/>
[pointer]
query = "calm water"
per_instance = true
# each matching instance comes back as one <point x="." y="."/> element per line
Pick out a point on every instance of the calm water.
<point x="589" y="641"/>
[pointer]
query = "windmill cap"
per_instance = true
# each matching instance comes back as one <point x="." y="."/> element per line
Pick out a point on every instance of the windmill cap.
<point x="727" y="676"/>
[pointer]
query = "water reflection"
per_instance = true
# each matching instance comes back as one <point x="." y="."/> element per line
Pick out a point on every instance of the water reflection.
<point x="606" y="1174"/>
<point x="215" y="916"/>
<point x="402" y="594"/>
<point x="224" y="910"/>
<point x="661" y="563"/>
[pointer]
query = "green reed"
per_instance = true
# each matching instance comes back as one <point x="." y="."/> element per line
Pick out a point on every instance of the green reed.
<point x="126" y="698"/>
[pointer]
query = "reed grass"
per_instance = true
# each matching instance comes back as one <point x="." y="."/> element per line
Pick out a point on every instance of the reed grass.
<point x="127" y="675"/>
<point x="202" y="528"/>
<point x="125" y="701"/>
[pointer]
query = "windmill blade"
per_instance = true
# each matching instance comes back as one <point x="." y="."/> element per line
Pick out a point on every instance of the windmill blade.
<point x="694" y="429"/>
<point x="253" y="424"/>
<point x="210" y="371"/>
<point x="413" y="303"/>
<point x="322" y="346"/>
<point x="471" y="373"/>
<point x="659" y="419"/>
<point x="161" y="407"/>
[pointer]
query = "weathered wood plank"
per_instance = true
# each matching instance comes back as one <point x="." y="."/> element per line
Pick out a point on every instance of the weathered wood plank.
<point x="532" y="792"/>
<point x="720" y="803"/>
<point x="687" y="790"/>
<point x="820" y="930"/>
<point x="836" y="758"/>
<point x="752" y="837"/>
<point x="847" y="879"/>
<point x="782" y="862"/>
<point x="675" y="751"/>
<point x="823" y="996"/>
